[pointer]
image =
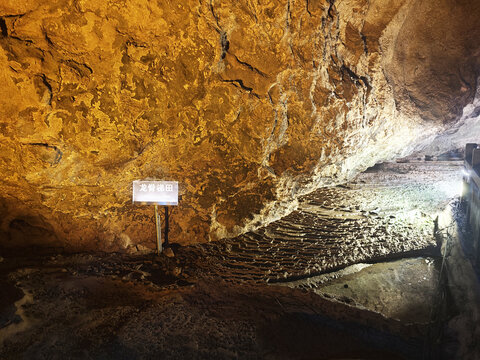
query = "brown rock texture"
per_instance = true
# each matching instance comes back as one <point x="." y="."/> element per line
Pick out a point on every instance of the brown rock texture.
<point x="248" y="104"/>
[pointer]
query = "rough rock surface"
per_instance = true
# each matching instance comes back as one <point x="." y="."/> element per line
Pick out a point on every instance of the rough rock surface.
<point x="247" y="104"/>
<point x="116" y="318"/>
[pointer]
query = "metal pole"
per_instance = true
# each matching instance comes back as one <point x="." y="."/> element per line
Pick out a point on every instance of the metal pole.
<point x="159" y="230"/>
<point x="166" y="225"/>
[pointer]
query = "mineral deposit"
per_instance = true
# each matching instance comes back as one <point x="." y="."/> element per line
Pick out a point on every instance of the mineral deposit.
<point x="247" y="104"/>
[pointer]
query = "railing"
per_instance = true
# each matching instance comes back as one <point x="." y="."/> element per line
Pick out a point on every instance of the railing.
<point x="471" y="195"/>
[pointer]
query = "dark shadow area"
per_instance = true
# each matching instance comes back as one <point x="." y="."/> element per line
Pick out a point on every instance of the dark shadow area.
<point x="301" y="336"/>
<point x="9" y="294"/>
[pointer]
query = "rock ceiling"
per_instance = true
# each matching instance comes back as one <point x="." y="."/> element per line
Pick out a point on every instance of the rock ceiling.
<point x="248" y="104"/>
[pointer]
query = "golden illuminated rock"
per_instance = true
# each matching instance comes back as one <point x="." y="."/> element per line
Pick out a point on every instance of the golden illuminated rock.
<point x="247" y="104"/>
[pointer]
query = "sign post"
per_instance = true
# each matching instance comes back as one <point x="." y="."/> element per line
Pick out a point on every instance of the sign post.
<point x="159" y="230"/>
<point x="157" y="193"/>
<point x="166" y="225"/>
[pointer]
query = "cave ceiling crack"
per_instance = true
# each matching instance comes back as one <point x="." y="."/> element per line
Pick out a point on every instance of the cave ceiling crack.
<point x="16" y="15"/>
<point x="331" y="9"/>
<point x="359" y="80"/>
<point x="26" y="41"/>
<point x="365" y="45"/>
<point x="288" y="16"/>
<point x="307" y="7"/>
<point x="362" y="35"/>
<point x="249" y="66"/>
<point x="287" y="35"/>
<point x="3" y="28"/>
<point x="239" y="83"/>
<point x="3" y="23"/>
<point x="47" y="84"/>
<point x="224" y="42"/>
<point x="215" y="16"/>
<point x="81" y="68"/>
<point x="58" y="152"/>
<point x="47" y="39"/>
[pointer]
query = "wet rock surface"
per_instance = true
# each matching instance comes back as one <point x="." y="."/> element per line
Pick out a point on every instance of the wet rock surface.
<point x="407" y="289"/>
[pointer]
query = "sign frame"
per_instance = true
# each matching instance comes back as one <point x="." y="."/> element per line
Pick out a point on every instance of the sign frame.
<point x="155" y="192"/>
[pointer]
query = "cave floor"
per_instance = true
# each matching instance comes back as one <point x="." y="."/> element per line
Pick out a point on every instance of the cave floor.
<point x="386" y="212"/>
<point x="353" y="273"/>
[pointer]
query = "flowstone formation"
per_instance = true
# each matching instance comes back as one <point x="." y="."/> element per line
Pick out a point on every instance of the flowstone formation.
<point x="247" y="104"/>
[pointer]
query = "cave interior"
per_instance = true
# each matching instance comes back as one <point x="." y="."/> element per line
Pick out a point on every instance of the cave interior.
<point x="319" y="151"/>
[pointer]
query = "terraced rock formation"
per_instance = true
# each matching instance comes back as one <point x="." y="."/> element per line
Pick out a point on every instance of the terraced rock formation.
<point x="386" y="213"/>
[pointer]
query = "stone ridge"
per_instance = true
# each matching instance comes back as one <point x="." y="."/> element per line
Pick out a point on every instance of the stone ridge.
<point x="248" y="105"/>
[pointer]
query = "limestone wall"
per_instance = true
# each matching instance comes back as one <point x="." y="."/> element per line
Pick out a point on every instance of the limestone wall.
<point x="246" y="103"/>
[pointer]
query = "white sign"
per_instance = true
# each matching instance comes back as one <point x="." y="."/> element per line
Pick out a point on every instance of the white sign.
<point x="155" y="192"/>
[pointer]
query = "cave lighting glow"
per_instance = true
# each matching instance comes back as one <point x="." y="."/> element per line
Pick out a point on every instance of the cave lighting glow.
<point x="451" y="189"/>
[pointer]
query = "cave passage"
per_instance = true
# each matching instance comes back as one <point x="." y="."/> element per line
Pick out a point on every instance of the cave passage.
<point x="356" y="271"/>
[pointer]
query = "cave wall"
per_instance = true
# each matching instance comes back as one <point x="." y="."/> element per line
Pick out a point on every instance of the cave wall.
<point x="247" y="104"/>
